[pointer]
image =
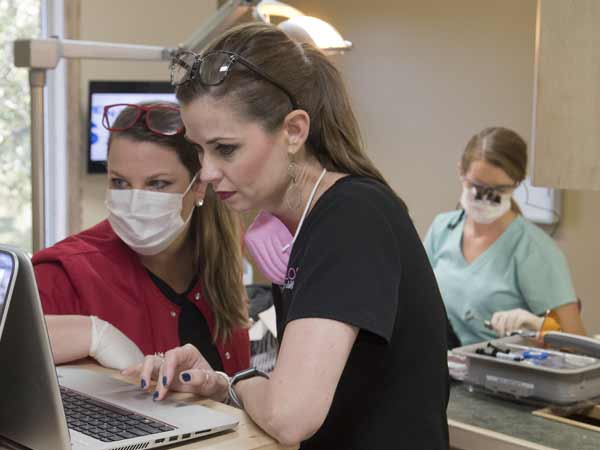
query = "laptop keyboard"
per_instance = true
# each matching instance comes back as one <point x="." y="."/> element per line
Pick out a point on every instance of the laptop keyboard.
<point x="104" y="421"/>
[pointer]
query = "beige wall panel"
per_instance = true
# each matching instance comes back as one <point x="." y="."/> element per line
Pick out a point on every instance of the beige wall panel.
<point x="578" y="236"/>
<point x="567" y="136"/>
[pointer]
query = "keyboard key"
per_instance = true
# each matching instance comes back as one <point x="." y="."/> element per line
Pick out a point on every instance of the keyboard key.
<point x="127" y="435"/>
<point x="138" y="432"/>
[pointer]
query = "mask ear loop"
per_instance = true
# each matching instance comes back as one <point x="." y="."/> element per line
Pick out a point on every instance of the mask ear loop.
<point x="200" y="202"/>
<point x="190" y="185"/>
<point x="308" y="203"/>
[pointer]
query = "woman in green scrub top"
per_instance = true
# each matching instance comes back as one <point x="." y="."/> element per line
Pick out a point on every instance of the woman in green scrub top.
<point x="494" y="267"/>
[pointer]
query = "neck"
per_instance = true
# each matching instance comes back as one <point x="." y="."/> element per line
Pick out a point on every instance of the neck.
<point x="494" y="228"/>
<point x="176" y="265"/>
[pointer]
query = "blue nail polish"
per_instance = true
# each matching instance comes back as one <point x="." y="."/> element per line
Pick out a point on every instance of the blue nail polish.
<point x="155" y="395"/>
<point x="164" y="381"/>
<point x="186" y="377"/>
<point x="143" y="383"/>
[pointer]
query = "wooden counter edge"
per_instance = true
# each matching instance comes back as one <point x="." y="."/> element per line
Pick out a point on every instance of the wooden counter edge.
<point x="469" y="437"/>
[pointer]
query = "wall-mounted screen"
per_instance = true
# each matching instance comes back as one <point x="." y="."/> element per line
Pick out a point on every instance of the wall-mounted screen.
<point x="103" y="93"/>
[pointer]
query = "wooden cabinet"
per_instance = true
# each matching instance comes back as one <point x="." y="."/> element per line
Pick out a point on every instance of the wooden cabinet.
<point x="566" y="118"/>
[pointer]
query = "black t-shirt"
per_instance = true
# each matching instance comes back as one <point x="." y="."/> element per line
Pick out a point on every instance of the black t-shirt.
<point x="192" y="327"/>
<point x="358" y="260"/>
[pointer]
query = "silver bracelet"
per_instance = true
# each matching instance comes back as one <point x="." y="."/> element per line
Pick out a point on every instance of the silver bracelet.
<point x="227" y="399"/>
<point x="233" y="397"/>
<point x="239" y="376"/>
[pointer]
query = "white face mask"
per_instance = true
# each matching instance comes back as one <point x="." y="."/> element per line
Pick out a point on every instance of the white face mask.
<point x="147" y="221"/>
<point x="483" y="211"/>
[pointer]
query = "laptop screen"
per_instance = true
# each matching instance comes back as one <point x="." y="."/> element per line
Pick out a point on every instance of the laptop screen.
<point x="7" y="269"/>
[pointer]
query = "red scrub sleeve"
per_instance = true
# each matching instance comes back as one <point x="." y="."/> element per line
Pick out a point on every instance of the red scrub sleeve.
<point x="56" y="291"/>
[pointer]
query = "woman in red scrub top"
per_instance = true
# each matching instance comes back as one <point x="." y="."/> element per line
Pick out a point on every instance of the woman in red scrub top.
<point x="164" y="269"/>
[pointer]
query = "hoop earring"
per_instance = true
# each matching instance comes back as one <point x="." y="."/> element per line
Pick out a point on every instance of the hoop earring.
<point x="293" y="199"/>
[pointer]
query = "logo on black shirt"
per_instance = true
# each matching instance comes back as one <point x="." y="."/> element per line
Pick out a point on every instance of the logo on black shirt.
<point x="290" y="278"/>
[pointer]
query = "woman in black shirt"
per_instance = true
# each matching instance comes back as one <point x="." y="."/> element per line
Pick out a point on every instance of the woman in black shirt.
<point x="361" y="325"/>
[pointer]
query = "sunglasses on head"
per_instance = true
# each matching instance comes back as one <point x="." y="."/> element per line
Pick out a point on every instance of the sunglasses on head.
<point x="160" y="119"/>
<point x="213" y="68"/>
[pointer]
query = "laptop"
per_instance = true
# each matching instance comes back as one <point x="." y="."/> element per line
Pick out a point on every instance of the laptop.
<point x="47" y="408"/>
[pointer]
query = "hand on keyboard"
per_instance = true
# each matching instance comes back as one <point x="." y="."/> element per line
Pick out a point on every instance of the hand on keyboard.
<point x="183" y="369"/>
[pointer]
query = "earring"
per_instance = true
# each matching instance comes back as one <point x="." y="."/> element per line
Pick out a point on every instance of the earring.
<point x="293" y="171"/>
<point x="199" y="203"/>
<point x="293" y="199"/>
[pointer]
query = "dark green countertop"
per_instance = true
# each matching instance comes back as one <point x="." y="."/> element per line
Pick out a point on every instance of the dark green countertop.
<point x="516" y="420"/>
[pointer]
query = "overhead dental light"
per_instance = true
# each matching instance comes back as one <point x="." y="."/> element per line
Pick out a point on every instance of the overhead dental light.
<point x="298" y="26"/>
<point x="302" y="28"/>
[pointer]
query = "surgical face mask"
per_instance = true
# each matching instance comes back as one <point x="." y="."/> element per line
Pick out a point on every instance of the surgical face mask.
<point x="270" y="242"/>
<point x="266" y="239"/>
<point x="483" y="210"/>
<point x="147" y="221"/>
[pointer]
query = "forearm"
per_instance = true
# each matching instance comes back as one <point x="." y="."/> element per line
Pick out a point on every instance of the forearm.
<point x="573" y="324"/>
<point x="255" y="396"/>
<point x="569" y="319"/>
<point x="269" y="411"/>
<point x="69" y="337"/>
<point x="293" y="404"/>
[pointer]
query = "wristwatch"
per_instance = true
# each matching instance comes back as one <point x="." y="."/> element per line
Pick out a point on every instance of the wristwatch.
<point x="243" y="375"/>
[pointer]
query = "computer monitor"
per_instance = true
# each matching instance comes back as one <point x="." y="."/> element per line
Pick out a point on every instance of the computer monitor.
<point x="103" y="93"/>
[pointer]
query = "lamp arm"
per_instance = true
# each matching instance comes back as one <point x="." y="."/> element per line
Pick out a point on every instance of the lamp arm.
<point x="46" y="53"/>
<point x="226" y="16"/>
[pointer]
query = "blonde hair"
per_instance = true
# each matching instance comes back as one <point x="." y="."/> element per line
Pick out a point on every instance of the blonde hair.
<point x="502" y="148"/>
<point x="215" y="230"/>
<point x="219" y="247"/>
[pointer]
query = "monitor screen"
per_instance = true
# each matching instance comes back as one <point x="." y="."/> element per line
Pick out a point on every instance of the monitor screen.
<point x="103" y="93"/>
<point x="7" y="269"/>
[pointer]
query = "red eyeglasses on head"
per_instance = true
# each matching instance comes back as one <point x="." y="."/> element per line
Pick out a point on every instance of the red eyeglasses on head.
<point x="159" y="118"/>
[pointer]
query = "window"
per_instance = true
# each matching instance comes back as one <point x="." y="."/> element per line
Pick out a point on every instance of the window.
<point x="18" y="19"/>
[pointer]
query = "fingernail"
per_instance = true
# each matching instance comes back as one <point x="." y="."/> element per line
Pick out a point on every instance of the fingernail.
<point x="143" y="383"/>
<point x="186" y="377"/>
<point x="164" y="381"/>
<point x="155" y="395"/>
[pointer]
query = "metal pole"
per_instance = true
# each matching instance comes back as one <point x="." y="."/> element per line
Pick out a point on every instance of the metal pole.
<point x="37" y="82"/>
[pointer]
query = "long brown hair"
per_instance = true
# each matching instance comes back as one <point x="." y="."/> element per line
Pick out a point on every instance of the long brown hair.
<point x="502" y="148"/>
<point x="215" y="229"/>
<point x="334" y="137"/>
